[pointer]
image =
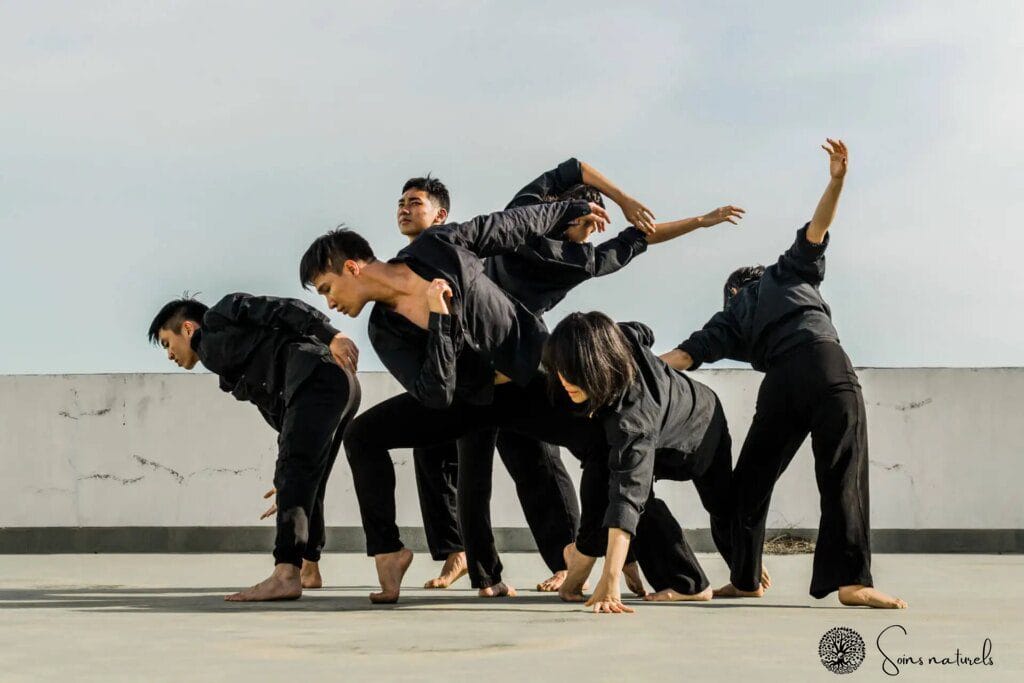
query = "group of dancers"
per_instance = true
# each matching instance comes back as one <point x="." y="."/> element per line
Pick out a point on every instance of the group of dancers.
<point x="457" y="319"/>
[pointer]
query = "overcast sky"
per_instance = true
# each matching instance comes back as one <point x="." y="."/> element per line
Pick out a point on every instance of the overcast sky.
<point x="149" y="148"/>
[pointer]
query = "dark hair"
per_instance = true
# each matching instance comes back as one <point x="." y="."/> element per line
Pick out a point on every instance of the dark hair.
<point x="434" y="188"/>
<point x="590" y="351"/>
<point x="328" y="253"/>
<point x="738" y="279"/>
<point x="587" y="193"/>
<point x="173" y="314"/>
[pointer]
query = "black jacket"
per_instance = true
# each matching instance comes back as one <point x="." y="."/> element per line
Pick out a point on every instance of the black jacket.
<point x="767" y="318"/>
<point x="263" y="348"/>
<point x="541" y="272"/>
<point x="487" y="331"/>
<point x="653" y="430"/>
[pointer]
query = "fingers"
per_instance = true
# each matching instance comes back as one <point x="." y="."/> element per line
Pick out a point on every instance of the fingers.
<point x="269" y="493"/>
<point x="272" y="510"/>
<point x="599" y="211"/>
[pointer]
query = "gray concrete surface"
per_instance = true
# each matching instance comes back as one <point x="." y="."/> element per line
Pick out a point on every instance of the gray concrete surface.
<point x="161" y="618"/>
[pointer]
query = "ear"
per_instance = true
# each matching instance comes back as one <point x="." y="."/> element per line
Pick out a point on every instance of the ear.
<point x="188" y="328"/>
<point x="442" y="216"/>
<point x="352" y="267"/>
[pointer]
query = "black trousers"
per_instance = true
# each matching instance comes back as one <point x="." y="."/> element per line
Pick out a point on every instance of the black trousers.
<point x="308" y="442"/>
<point x="403" y="422"/>
<point x="660" y="546"/>
<point x="545" y="491"/>
<point x="437" y="481"/>
<point x="811" y="390"/>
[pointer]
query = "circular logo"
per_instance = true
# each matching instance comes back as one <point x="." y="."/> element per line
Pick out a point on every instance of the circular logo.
<point x="841" y="650"/>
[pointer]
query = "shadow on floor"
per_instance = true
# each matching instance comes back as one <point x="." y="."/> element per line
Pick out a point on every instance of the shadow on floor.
<point x="211" y="600"/>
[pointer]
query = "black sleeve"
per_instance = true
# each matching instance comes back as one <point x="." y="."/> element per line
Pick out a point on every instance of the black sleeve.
<point x="631" y="476"/>
<point x="506" y="231"/>
<point x="721" y="337"/>
<point x="613" y="254"/>
<point x="804" y="259"/>
<point x="426" y="373"/>
<point x="642" y="333"/>
<point x="270" y="311"/>
<point x="550" y="184"/>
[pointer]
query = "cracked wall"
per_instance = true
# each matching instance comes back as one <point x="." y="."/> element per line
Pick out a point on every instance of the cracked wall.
<point x="172" y="450"/>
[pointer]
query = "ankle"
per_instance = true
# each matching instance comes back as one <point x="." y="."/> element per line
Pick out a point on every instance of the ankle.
<point x="286" y="570"/>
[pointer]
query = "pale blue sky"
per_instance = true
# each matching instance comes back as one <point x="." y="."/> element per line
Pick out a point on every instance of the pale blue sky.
<point x="148" y="148"/>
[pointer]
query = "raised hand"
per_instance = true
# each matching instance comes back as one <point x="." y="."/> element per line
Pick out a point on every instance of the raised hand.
<point x="583" y="227"/>
<point x="345" y="352"/>
<point x="730" y="213"/>
<point x="837" y="157"/>
<point x="637" y="214"/>
<point x="439" y="292"/>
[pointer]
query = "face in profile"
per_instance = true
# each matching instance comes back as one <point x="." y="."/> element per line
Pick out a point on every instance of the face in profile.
<point x="179" y="345"/>
<point x="417" y="212"/>
<point x="576" y="394"/>
<point x="342" y="291"/>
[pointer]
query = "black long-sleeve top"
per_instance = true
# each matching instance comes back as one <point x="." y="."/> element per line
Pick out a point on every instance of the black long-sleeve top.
<point x="767" y="318"/>
<point x="542" y="271"/>
<point x="654" y="429"/>
<point x="263" y="347"/>
<point x="486" y="330"/>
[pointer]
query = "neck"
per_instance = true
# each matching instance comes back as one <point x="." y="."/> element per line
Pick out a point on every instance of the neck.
<point x="389" y="282"/>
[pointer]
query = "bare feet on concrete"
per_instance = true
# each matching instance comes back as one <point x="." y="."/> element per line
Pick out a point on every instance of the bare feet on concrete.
<point x="498" y="590"/>
<point x="454" y="569"/>
<point x="283" y="584"/>
<point x="391" y="567"/>
<point x="866" y="596"/>
<point x="634" y="583"/>
<point x="310" y="575"/>
<point x="669" y="595"/>
<point x="731" y="591"/>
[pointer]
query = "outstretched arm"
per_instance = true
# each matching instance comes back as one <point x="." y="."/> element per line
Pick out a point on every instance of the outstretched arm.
<point x="826" y="211"/>
<point x="667" y="231"/>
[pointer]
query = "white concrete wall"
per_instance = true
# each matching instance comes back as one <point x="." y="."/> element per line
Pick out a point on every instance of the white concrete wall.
<point x="172" y="450"/>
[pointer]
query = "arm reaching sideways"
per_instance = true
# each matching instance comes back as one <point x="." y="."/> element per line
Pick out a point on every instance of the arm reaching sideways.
<point x="826" y="209"/>
<point x="666" y="231"/>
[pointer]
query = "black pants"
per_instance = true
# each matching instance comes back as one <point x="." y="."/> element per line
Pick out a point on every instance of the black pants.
<point x="812" y="390"/>
<point x="545" y="491"/>
<point x="659" y="545"/>
<point x="308" y="442"/>
<point x="437" y="481"/>
<point x="403" y="422"/>
<point x="446" y="504"/>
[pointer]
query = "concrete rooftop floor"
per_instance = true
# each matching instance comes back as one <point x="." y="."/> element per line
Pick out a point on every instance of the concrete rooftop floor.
<point x="161" y="617"/>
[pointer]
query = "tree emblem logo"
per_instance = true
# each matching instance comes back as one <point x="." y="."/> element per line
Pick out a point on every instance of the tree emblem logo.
<point x="841" y="650"/>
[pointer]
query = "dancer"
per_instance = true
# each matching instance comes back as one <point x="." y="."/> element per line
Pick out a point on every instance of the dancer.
<point x="283" y="356"/>
<point x="422" y="343"/>
<point x="776" y="319"/>
<point x="659" y="424"/>
<point x="539" y="276"/>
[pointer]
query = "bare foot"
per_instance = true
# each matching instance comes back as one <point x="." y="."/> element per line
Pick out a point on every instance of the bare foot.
<point x="669" y="595"/>
<point x="868" y="597"/>
<point x="283" y="584"/>
<point x="310" y="575"/>
<point x="454" y="569"/>
<point x="498" y="590"/>
<point x="391" y="567"/>
<point x="634" y="583"/>
<point x="731" y="591"/>
<point x="554" y="583"/>
<point x="766" y="579"/>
